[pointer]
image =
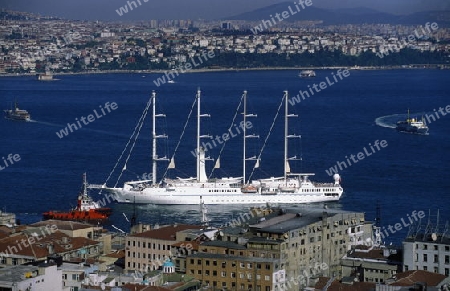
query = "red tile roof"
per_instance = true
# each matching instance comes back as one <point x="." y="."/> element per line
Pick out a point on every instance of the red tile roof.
<point x="167" y="232"/>
<point x="63" y="225"/>
<point x="408" y="278"/>
<point x="39" y="247"/>
<point x="337" y="286"/>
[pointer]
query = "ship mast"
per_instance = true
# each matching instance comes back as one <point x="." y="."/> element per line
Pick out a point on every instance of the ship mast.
<point x="201" y="173"/>
<point x="244" y="128"/>
<point x="84" y="184"/>
<point x="155" y="137"/>
<point x="287" y="136"/>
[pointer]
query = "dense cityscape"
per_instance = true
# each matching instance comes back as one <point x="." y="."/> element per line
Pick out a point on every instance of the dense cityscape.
<point x="33" y="44"/>
<point x="267" y="248"/>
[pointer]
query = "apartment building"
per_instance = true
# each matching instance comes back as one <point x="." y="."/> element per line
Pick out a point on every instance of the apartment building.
<point x="427" y="251"/>
<point x="220" y="271"/>
<point x="282" y="251"/>
<point x="313" y="240"/>
<point x="42" y="277"/>
<point x="147" y="251"/>
<point x="374" y="264"/>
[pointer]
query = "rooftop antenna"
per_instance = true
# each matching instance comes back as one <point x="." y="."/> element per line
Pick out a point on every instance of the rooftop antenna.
<point x="133" y="218"/>
<point x="444" y="233"/>
<point x="378" y="214"/>
<point x="377" y="227"/>
<point x="203" y="211"/>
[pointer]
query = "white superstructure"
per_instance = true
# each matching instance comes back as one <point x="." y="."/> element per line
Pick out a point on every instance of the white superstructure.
<point x="291" y="188"/>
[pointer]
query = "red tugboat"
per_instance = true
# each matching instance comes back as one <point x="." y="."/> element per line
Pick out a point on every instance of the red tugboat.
<point x="87" y="210"/>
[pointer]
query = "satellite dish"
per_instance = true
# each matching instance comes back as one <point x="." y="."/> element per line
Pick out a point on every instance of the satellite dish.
<point x="221" y="233"/>
<point x="433" y="236"/>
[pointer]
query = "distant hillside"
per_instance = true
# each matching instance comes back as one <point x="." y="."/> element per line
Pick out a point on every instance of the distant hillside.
<point x="345" y="16"/>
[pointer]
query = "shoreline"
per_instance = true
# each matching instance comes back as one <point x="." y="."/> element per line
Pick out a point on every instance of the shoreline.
<point x="205" y="70"/>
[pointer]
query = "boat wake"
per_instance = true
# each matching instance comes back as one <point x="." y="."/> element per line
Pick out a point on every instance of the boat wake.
<point x="390" y="121"/>
<point x="46" y="123"/>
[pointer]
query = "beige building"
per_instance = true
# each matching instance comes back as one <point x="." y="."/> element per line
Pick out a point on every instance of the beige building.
<point x="285" y="250"/>
<point x="314" y="240"/>
<point x="372" y="264"/>
<point x="147" y="251"/>
<point x="219" y="272"/>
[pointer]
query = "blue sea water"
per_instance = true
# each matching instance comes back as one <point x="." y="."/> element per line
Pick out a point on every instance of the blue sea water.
<point x="410" y="173"/>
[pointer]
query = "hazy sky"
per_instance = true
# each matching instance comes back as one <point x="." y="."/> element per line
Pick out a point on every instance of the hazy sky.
<point x="195" y="9"/>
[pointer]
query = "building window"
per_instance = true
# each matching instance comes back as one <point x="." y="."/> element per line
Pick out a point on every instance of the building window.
<point x="446" y="272"/>
<point x="207" y="262"/>
<point x="224" y="264"/>
<point x="199" y="262"/>
<point x="406" y="268"/>
<point x="249" y="276"/>
<point x="249" y="265"/>
<point x="215" y="273"/>
<point x="267" y="278"/>
<point x="192" y="261"/>
<point x="223" y="274"/>
<point x="425" y="247"/>
<point x="199" y="272"/>
<point x="241" y="275"/>
<point x="258" y="266"/>
<point x="242" y="265"/>
<point x="214" y="263"/>
<point x="206" y="272"/>
<point x="447" y="248"/>
<point x="435" y="247"/>
<point x="425" y="257"/>
<point x="267" y="267"/>
<point x="425" y="268"/>
<point x="224" y="284"/>
<point x="436" y="259"/>
<point x="233" y="275"/>
<point x="447" y="259"/>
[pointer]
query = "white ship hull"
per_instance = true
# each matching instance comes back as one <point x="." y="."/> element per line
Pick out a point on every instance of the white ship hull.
<point x="216" y="196"/>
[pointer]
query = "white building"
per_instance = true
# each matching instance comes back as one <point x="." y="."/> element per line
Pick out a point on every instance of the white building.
<point x="45" y="277"/>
